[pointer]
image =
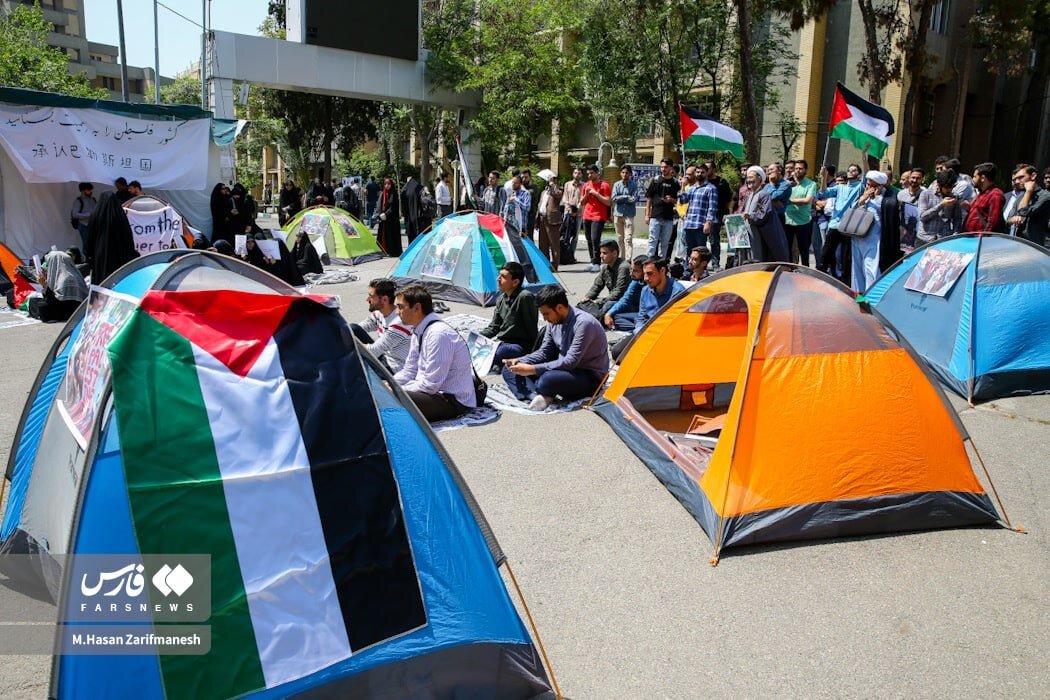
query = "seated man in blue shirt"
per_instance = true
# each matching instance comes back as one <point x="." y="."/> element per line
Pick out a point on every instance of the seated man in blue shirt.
<point x="572" y="361"/>
<point x="622" y="315"/>
<point x="659" y="289"/>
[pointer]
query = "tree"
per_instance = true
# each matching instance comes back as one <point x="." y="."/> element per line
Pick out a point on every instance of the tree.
<point x="184" y="91"/>
<point x="27" y="61"/>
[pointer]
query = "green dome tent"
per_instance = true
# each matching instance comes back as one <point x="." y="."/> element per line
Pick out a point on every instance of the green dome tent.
<point x="336" y="234"/>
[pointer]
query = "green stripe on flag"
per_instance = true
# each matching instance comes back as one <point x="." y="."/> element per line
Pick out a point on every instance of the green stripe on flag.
<point x="495" y="249"/>
<point x="177" y="500"/>
<point x="843" y="130"/>
<point x="697" y="142"/>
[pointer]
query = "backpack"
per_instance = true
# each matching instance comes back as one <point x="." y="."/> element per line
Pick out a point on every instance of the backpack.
<point x="427" y="204"/>
<point x="74" y="221"/>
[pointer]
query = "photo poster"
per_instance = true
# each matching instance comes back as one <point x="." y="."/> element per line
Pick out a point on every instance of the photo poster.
<point x="313" y="224"/>
<point x="156" y="230"/>
<point x="270" y="248"/>
<point x="443" y="253"/>
<point x="240" y="244"/>
<point x="643" y="173"/>
<point x="937" y="272"/>
<point x="87" y="369"/>
<point x="482" y="352"/>
<point x="348" y="226"/>
<point x="737" y="231"/>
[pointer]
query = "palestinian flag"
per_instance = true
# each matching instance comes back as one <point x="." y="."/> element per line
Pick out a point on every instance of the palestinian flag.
<point x="701" y="133"/>
<point x="241" y="438"/>
<point x="864" y="124"/>
<point x="505" y="247"/>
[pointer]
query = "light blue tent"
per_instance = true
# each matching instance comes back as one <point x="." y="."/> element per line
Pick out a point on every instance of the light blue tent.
<point x="459" y="258"/>
<point x="464" y="638"/>
<point x="988" y="335"/>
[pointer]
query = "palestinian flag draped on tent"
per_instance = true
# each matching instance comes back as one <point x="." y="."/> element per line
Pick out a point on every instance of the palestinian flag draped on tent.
<point x="866" y="125"/>
<point x="702" y="133"/>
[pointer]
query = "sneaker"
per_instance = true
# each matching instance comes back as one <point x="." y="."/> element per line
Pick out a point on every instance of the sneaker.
<point x="593" y="268"/>
<point x="540" y="403"/>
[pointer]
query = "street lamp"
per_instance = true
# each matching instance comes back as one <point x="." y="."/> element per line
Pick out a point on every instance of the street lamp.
<point x="612" y="154"/>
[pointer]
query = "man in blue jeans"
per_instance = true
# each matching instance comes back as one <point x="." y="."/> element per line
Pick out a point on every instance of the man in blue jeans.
<point x="660" y="199"/>
<point x="570" y="364"/>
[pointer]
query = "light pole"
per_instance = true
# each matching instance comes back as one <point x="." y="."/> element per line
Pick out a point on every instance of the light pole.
<point x="612" y="155"/>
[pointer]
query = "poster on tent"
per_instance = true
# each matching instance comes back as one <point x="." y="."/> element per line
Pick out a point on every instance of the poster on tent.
<point x="313" y="224"/>
<point x="937" y="272"/>
<point x="87" y="369"/>
<point x="738" y="234"/>
<point x="156" y="230"/>
<point x="57" y="144"/>
<point x="445" y="248"/>
<point x="348" y="226"/>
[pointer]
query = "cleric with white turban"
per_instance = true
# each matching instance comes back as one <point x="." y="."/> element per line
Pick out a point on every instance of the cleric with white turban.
<point x="768" y="239"/>
<point x="877" y="176"/>
<point x="872" y="251"/>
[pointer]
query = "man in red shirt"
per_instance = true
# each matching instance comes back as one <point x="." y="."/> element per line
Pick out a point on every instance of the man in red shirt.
<point x="986" y="211"/>
<point x="595" y="197"/>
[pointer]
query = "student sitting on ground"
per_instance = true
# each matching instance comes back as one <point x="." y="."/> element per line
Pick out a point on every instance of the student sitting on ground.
<point x="659" y="289"/>
<point x="515" y="321"/>
<point x="63" y="289"/>
<point x="699" y="259"/>
<point x="393" y="337"/>
<point x="572" y="361"/>
<point x="437" y="375"/>
<point x="614" y="275"/>
<point x="622" y="315"/>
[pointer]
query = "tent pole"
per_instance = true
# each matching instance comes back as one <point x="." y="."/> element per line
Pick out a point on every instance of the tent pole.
<point x="535" y="631"/>
<point x="973" y="314"/>
<point x="995" y="492"/>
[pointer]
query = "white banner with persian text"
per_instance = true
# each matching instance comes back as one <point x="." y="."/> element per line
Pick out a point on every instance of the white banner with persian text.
<point x="156" y="230"/>
<point x="56" y="144"/>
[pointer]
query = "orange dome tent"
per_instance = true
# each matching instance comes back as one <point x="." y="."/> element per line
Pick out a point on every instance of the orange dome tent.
<point x="775" y="408"/>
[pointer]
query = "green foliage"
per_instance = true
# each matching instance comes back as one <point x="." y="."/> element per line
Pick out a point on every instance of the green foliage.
<point x="364" y="161"/>
<point x="27" y="61"/>
<point x="184" y="91"/>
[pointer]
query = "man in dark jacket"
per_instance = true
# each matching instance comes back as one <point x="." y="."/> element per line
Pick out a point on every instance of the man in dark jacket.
<point x="614" y="275"/>
<point x="1032" y="217"/>
<point x="516" y="321"/>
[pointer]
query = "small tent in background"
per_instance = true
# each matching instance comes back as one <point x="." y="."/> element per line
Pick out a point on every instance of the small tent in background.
<point x="977" y="308"/>
<point x="350" y="567"/>
<point x="336" y="234"/>
<point x="459" y="258"/>
<point x="805" y="418"/>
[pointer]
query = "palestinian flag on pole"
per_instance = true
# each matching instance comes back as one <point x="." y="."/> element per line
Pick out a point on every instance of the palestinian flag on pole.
<point x="701" y="133"/>
<point x="241" y="439"/>
<point x="866" y="125"/>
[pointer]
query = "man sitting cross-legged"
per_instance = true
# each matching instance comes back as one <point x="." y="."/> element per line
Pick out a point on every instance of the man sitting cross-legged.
<point x="621" y="316"/>
<point x="659" y="289"/>
<point x="572" y="361"/>
<point x="515" y="321"/>
<point x="391" y="347"/>
<point x="614" y="275"/>
<point x="437" y="375"/>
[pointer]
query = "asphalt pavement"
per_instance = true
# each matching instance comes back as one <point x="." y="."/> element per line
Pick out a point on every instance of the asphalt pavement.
<point x="617" y="574"/>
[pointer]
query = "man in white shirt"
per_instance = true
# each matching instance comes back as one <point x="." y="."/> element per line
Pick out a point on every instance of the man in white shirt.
<point x="443" y="196"/>
<point x="437" y="375"/>
<point x="393" y="337"/>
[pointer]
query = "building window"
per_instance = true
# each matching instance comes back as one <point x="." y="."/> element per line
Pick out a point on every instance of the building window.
<point x="109" y="83"/>
<point x="940" y="15"/>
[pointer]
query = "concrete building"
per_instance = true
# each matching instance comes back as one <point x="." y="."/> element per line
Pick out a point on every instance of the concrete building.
<point x="99" y="62"/>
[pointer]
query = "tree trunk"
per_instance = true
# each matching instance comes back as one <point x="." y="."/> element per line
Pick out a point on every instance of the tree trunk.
<point x="876" y="75"/>
<point x="328" y="138"/>
<point x="747" y="81"/>
<point x="914" y="66"/>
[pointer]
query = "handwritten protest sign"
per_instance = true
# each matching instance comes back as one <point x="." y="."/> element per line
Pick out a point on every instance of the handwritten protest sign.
<point x="156" y="230"/>
<point x="54" y="144"/>
<point x="87" y="369"/>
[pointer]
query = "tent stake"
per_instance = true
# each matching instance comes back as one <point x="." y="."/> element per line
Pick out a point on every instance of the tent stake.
<point x="535" y="631"/>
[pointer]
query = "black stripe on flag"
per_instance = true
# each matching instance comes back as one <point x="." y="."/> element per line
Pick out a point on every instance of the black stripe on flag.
<point x="870" y="108"/>
<point x="357" y="497"/>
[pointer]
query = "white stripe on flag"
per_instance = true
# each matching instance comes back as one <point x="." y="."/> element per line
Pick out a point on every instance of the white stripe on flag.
<point x="861" y="121"/>
<point x="276" y="527"/>
<point x="718" y="130"/>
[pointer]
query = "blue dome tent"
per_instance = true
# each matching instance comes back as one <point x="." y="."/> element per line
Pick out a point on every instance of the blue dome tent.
<point x="459" y="258"/>
<point x="976" y="307"/>
<point x="342" y="564"/>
